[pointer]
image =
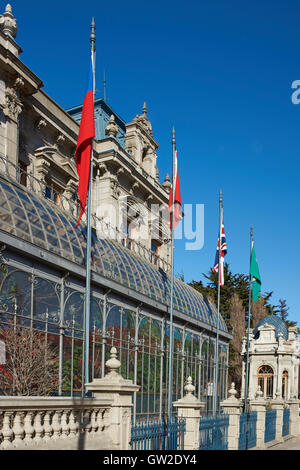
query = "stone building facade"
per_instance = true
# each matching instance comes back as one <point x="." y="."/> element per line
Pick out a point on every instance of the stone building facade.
<point x="274" y="358"/>
<point x="42" y="282"/>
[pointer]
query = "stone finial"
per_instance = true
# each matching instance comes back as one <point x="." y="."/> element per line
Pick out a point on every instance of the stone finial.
<point x="113" y="364"/>
<point x="167" y="182"/>
<point x="259" y="393"/>
<point x="232" y="392"/>
<point x="8" y="23"/>
<point x="189" y="387"/>
<point x="111" y="129"/>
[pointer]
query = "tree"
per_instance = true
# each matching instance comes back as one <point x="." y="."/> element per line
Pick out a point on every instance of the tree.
<point x="30" y="367"/>
<point x="237" y="322"/>
<point x="282" y="310"/>
<point x="258" y="311"/>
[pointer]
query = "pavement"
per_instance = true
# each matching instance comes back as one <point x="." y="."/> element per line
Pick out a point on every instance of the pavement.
<point x="289" y="444"/>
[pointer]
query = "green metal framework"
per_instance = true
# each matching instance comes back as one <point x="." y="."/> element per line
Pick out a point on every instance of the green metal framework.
<point x="42" y="287"/>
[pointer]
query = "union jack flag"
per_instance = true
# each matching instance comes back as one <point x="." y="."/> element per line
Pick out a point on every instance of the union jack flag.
<point x="223" y="253"/>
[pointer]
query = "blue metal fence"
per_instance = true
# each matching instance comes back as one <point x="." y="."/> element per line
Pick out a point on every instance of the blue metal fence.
<point x="270" y="425"/>
<point x="214" y="432"/>
<point x="286" y="422"/>
<point x="247" y="437"/>
<point x="158" y="434"/>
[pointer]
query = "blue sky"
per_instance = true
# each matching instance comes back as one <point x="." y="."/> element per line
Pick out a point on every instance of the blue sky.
<point x="219" y="71"/>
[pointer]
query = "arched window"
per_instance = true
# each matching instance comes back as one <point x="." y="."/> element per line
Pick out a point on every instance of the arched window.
<point x="284" y="390"/>
<point x="265" y="380"/>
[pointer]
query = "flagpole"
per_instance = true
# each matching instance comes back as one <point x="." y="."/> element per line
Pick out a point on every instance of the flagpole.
<point x="172" y="284"/>
<point x="218" y="302"/>
<point x="248" y="332"/>
<point x="89" y="234"/>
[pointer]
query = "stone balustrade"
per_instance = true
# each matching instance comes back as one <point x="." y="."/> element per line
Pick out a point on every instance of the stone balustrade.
<point x="55" y="423"/>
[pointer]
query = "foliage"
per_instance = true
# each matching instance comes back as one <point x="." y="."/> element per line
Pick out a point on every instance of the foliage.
<point x="30" y="362"/>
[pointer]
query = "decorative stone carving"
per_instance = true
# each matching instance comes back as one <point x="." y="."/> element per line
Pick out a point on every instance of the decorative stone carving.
<point x="60" y="140"/>
<point x="113" y="364"/>
<point x="167" y="182"/>
<point x="259" y="393"/>
<point x="8" y="23"/>
<point x="41" y="123"/>
<point x="111" y="129"/>
<point x="13" y="105"/>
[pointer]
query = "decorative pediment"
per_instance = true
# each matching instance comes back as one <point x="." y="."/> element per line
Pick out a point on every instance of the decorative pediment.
<point x="58" y="163"/>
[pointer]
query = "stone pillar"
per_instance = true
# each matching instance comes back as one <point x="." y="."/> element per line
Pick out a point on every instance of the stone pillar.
<point x="121" y="390"/>
<point x="189" y="407"/>
<point x="278" y="406"/>
<point x="294" y="417"/>
<point x="259" y="405"/>
<point x="233" y="407"/>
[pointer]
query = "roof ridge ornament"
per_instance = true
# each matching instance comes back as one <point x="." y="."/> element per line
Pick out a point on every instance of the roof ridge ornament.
<point x="8" y="23"/>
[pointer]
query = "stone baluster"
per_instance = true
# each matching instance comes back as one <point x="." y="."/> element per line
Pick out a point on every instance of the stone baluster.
<point x="47" y="425"/>
<point x="38" y="427"/>
<point x="28" y="427"/>
<point x="65" y="428"/>
<point x="7" y="431"/>
<point x="18" y="429"/>
<point x="56" y="424"/>
<point x="87" y="421"/>
<point x="94" y="422"/>
<point x="73" y="423"/>
<point x="100" y="420"/>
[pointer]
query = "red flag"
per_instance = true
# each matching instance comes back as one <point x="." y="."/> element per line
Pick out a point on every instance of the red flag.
<point x="177" y="198"/>
<point x="84" y="144"/>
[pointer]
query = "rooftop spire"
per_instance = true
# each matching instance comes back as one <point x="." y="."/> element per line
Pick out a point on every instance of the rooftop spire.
<point x="8" y="23"/>
<point x="145" y="109"/>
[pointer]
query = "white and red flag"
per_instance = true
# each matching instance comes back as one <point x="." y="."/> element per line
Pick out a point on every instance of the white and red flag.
<point x="177" y="197"/>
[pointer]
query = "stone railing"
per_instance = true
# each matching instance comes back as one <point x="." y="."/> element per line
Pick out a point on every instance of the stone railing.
<point x="59" y="423"/>
<point x="54" y="423"/>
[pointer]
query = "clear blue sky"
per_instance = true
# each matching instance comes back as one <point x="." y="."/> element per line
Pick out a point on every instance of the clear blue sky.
<point x="221" y="72"/>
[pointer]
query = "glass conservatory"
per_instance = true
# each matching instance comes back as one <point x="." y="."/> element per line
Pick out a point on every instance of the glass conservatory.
<point x="43" y="288"/>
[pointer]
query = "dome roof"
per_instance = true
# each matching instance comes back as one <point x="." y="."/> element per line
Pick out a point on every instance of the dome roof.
<point x="280" y="326"/>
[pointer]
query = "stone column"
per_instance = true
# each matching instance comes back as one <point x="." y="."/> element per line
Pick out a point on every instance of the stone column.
<point x="12" y="111"/>
<point x="294" y="417"/>
<point x="278" y="406"/>
<point x="259" y="405"/>
<point x="233" y="407"/>
<point x="189" y="407"/>
<point x="121" y="390"/>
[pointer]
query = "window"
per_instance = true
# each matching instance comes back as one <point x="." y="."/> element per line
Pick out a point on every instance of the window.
<point x="22" y="168"/>
<point x="265" y="380"/>
<point x="155" y="249"/>
<point x="53" y="192"/>
<point x="284" y="390"/>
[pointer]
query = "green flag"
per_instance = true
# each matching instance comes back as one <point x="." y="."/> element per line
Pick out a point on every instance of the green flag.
<point x="254" y="271"/>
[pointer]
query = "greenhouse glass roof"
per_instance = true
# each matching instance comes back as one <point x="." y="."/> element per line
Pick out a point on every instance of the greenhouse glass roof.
<point x="36" y="220"/>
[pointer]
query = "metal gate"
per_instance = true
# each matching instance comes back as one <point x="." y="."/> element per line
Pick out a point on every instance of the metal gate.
<point x="214" y="432"/>
<point x="247" y="437"/>
<point x="158" y="434"/>
<point x="270" y="425"/>
<point x="286" y="422"/>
